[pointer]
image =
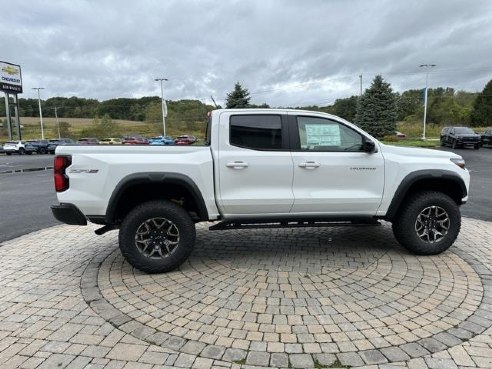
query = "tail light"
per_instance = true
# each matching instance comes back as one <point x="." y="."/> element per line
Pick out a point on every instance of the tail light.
<point x="61" y="179"/>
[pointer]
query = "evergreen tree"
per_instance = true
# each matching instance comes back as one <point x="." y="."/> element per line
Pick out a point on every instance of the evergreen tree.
<point x="238" y="98"/>
<point x="481" y="114"/>
<point x="376" y="110"/>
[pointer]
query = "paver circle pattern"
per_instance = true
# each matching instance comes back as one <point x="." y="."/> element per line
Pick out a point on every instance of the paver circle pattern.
<point x="309" y="291"/>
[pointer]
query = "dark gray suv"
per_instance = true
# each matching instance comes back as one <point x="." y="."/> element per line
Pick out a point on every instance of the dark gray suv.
<point x="460" y="137"/>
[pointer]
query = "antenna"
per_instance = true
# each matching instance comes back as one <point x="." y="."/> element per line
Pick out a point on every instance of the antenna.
<point x="216" y="107"/>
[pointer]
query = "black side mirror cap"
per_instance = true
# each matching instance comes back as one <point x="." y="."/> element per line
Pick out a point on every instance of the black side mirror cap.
<point x="369" y="146"/>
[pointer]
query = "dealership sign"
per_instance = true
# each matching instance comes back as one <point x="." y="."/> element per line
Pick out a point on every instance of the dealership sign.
<point x="10" y="78"/>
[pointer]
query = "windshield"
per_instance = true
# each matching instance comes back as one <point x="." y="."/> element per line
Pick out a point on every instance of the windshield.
<point x="464" y="130"/>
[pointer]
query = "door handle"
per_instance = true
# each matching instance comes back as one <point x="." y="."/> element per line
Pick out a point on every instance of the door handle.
<point x="309" y="164"/>
<point x="237" y="165"/>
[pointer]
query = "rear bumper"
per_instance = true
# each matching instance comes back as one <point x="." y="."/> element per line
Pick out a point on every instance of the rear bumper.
<point x="69" y="214"/>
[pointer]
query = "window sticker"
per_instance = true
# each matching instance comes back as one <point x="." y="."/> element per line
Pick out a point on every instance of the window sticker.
<point x="323" y="135"/>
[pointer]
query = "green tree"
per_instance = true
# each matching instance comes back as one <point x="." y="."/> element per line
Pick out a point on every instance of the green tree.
<point x="104" y="127"/>
<point x="345" y="108"/>
<point x="238" y="98"/>
<point x="376" y="110"/>
<point x="64" y="129"/>
<point x="481" y="115"/>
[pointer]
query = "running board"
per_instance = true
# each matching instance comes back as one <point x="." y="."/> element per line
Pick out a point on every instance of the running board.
<point x="254" y="224"/>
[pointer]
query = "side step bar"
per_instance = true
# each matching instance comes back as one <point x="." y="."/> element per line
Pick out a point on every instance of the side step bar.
<point x="254" y="224"/>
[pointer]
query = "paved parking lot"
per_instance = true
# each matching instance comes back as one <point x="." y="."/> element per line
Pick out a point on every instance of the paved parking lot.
<point x="299" y="298"/>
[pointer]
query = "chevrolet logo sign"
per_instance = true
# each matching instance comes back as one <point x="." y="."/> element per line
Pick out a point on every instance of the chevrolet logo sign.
<point x="10" y="70"/>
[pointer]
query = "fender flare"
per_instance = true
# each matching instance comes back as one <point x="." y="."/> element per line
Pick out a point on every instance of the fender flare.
<point x="414" y="177"/>
<point x="151" y="178"/>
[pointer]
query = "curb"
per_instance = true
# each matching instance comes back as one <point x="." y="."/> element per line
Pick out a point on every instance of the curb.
<point x="13" y="171"/>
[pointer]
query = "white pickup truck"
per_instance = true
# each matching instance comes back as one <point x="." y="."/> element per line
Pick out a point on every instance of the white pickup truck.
<point x="260" y="168"/>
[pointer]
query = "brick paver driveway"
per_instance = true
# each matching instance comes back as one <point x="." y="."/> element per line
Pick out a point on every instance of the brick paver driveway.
<point x="299" y="298"/>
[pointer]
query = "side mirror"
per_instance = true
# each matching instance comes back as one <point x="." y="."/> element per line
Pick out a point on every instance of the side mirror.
<point x="369" y="146"/>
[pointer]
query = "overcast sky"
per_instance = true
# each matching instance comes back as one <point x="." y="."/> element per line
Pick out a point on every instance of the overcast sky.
<point x="287" y="53"/>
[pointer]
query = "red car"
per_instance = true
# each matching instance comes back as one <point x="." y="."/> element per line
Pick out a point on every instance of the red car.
<point x="185" y="140"/>
<point x="134" y="140"/>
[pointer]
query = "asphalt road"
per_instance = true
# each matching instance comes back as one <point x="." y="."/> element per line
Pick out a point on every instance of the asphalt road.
<point x="479" y="163"/>
<point x="25" y="198"/>
<point x="17" y="162"/>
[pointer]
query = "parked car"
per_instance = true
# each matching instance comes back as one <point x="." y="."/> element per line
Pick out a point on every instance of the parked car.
<point x="40" y="146"/>
<point x="54" y="143"/>
<point x="486" y="138"/>
<point x="135" y="140"/>
<point x="263" y="168"/>
<point x="161" y="140"/>
<point x="459" y="137"/>
<point x="185" y="140"/>
<point x="400" y="136"/>
<point x="110" y="141"/>
<point x="88" y="141"/>
<point x="18" y="147"/>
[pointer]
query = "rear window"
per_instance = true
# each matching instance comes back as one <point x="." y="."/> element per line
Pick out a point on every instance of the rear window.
<point x="257" y="132"/>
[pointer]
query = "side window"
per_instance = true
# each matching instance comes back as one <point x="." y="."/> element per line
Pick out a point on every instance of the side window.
<point x="257" y="132"/>
<point x="318" y="134"/>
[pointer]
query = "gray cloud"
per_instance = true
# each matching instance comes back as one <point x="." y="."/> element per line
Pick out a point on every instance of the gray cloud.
<point x="286" y="53"/>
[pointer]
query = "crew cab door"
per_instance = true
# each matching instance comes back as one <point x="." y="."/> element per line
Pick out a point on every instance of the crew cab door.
<point x="332" y="172"/>
<point x="253" y="164"/>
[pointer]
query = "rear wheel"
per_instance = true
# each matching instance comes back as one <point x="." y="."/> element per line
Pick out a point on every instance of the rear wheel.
<point x="22" y="151"/>
<point x="8" y="153"/>
<point x="157" y="236"/>
<point x="454" y="144"/>
<point x="477" y="146"/>
<point x="428" y="223"/>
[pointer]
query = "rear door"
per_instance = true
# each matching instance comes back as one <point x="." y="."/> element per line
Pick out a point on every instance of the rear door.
<point x="254" y="165"/>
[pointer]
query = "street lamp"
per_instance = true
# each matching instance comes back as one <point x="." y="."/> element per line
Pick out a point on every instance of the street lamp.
<point x="427" y="68"/>
<point x="40" y="111"/>
<point x="163" y="103"/>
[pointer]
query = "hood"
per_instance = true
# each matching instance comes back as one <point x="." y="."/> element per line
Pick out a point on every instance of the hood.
<point x="417" y="151"/>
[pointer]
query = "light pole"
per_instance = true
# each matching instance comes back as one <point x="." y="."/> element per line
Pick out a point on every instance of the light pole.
<point x="163" y="103"/>
<point x="57" y="122"/>
<point x="40" y="111"/>
<point x="427" y="68"/>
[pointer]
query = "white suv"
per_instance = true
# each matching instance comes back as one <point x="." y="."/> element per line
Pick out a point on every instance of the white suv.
<point x="16" y="147"/>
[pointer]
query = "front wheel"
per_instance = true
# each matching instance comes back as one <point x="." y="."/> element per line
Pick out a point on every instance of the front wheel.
<point x="157" y="236"/>
<point x="454" y="144"/>
<point x="22" y="151"/>
<point x="428" y="223"/>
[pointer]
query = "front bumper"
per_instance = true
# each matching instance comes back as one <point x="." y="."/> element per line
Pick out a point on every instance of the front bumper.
<point x="69" y="214"/>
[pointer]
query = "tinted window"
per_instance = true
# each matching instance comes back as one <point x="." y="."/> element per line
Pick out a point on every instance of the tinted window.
<point x="464" y="130"/>
<point x="260" y="132"/>
<point x="318" y="134"/>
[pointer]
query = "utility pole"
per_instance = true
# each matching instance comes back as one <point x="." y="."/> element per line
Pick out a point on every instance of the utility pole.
<point x="163" y="103"/>
<point x="40" y="111"/>
<point x="360" y="77"/>
<point x="427" y="69"/>
<point x="57" y="122"/>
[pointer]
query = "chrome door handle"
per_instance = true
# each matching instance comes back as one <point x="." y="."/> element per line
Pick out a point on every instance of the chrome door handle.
<point x="237" y="165"/>
<point x="309" y="164"/>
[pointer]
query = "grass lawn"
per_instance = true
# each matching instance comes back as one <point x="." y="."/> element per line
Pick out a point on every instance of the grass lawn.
<point x="414" y="143"/>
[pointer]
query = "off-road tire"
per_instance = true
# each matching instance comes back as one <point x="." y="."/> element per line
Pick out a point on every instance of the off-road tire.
<point x="405" y="223"/>
<point x="141" y="216"/>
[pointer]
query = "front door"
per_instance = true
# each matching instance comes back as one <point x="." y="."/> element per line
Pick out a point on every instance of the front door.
<point x="332" y="173"/>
